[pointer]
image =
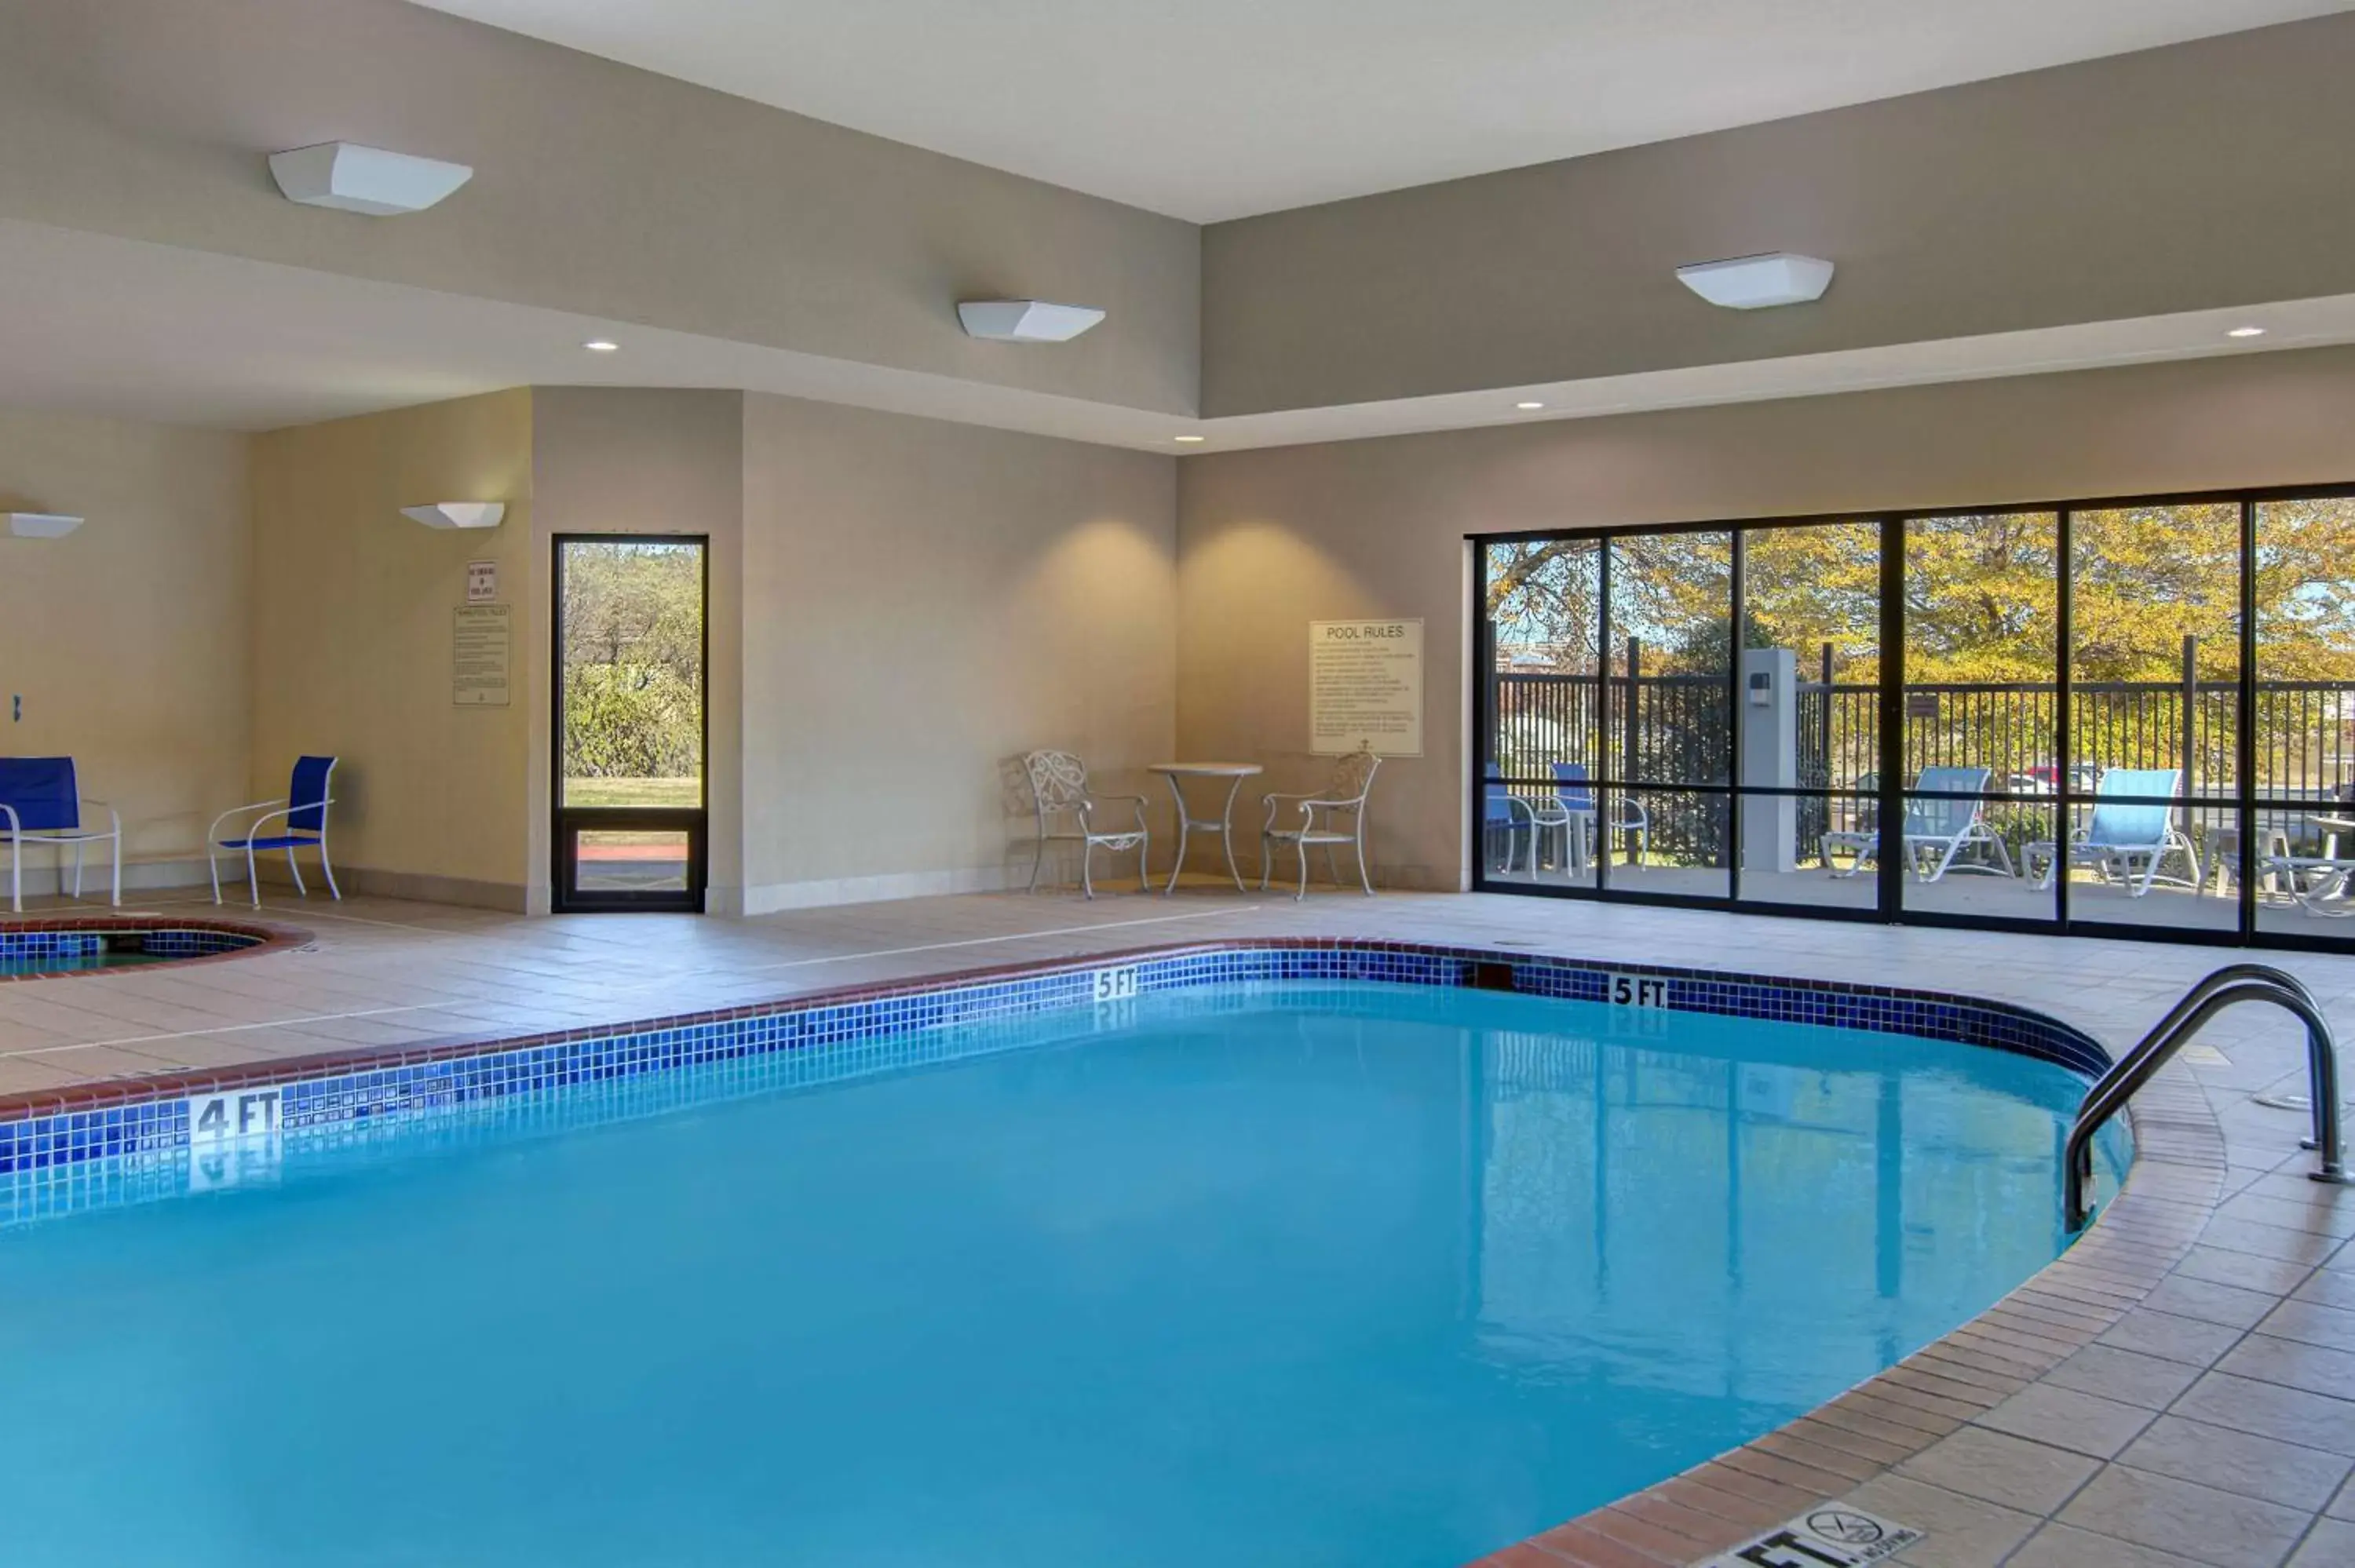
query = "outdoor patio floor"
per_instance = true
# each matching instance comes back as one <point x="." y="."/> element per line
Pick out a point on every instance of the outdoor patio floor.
<point x="2179" y="1389"/>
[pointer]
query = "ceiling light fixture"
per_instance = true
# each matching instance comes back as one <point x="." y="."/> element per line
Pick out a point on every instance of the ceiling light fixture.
<point x="1025" y="321"/>
<point x="601" y="345"/>
<point x="1529" y="405"/>
<point x="369" y="180"/>
<point x="2247" y="332"/>
<point x="457" y="514"/>
<point x="42" y="525"/>
<point x="1756" y="282"/>
<point x="1189" y="440"/>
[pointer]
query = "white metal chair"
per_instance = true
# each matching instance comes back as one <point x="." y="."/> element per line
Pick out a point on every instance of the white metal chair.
<point x="40" y="803"/>
<point x="1575" y="812"/>
<point x="1320" y="823"/>
<point x="1059" y="791"/>
<point x="302" y="819"/>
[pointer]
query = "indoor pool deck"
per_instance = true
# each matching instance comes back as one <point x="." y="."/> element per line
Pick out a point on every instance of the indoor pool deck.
<point x="2178" y="1389"/>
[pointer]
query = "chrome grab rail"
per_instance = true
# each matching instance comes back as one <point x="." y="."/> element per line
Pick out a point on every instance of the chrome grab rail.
<point x="2233" y="983"/>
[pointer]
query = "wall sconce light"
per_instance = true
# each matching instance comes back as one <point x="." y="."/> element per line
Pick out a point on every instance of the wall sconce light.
<point x="457" y="514"/>
<point x="42" y="525"/>
<point x="352" y="178"/>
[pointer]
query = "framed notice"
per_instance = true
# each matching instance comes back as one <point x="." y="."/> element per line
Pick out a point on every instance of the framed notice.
<point x="1365" y="687"/>
<point x="482" y="649"/>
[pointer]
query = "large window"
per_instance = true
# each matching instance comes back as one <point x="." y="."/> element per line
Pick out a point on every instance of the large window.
<point x="2129" y="717"/>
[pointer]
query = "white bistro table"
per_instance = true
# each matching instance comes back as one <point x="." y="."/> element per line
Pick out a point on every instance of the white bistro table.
<point x="1235" y="773"/>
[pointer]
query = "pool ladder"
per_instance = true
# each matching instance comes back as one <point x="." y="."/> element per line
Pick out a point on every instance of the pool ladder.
<point x="2233" y="983"/>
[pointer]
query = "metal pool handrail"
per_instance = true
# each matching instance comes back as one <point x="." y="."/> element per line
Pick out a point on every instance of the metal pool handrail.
<point x="2233" y="983"/>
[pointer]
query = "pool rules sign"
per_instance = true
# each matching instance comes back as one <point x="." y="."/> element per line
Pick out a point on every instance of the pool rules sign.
<point x="1365" y="687"/>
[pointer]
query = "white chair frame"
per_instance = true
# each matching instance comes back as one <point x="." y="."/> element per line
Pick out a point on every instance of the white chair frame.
<point x="1059" y="786"/>
<point x="1345" y="795"/>
<point x="18" y="836"/>
<point x="270" y="811"/>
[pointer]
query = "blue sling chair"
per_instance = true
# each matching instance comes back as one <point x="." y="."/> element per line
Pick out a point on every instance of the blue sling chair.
<point x="40" y="803"/>
<point x="302" y="819"/>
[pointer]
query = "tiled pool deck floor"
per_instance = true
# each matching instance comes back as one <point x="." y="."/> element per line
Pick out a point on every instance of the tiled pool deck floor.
<point x="2178" y="1389"/>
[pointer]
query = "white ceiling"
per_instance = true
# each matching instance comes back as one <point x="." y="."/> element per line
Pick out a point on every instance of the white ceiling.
<point x="134" y="330"/>
<point x="1217" y="108"/>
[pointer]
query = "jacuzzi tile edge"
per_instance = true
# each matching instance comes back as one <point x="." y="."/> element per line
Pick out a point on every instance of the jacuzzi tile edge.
<point x="858" y="1027"/>
<point x="184" y="940"/>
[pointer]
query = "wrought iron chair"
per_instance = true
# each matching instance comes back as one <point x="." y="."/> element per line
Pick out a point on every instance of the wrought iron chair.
<point x="303" y="825"/>
<point x="1320" y="823"/>
<point x="40" y="803"/>
<point x="1059" y="792"/>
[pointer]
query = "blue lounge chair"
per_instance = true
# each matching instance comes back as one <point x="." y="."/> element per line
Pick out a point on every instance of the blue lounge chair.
<point x="2129" y="840"/>
<point x="1936" y="830"/>
<point x="40" y="803"/>
<point x="303" y="825"/>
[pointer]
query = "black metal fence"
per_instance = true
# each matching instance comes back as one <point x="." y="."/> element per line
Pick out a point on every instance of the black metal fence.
<point x="1672" y="731"/>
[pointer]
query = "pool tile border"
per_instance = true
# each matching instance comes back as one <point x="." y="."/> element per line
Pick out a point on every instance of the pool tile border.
<point x="858" y="1025"/>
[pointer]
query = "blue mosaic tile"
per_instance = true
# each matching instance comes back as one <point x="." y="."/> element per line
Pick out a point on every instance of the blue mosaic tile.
<point x="809" y="1042"/>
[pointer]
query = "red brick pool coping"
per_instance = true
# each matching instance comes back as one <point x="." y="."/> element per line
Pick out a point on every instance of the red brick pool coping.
<point x="267" y="939"/>
<point x="2170" y="1192"/>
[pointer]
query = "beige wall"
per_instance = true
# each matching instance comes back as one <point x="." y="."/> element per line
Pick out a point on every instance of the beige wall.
<point x="647" y="462"/>
<point x="351" y="647"/>
<point x="2205" y="175"/>
<point x="126" y="640"/>
<point x="1271" y="540"/>
<point x="923" y="603"/>
<point x="598" y="188"/>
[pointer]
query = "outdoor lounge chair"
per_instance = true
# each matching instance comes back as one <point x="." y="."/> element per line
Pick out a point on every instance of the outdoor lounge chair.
<point x="1573" y="809"/>
<point x="1059" y="791"/>
<point x="41" y="804"/>
<point x="2128" y="841"/>
<point x="302" y="819"/>
<point x="1936" y="830"/>
<point x="1321" y="823"/>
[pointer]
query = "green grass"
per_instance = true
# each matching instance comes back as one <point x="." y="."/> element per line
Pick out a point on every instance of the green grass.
<point x="673" y="792"/>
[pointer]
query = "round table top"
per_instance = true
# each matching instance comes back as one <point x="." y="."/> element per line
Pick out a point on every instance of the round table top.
<point x="1210" y="769"/>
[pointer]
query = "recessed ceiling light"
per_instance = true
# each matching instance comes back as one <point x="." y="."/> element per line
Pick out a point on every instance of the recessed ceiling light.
<point x="1529" y="405"/>
<point x="601" y="345"/>
<point x="1190" y="441"/>
<point x="2247" y="332"/>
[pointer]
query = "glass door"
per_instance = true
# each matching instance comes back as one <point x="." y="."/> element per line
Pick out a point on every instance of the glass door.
<point x="1668" y="716"/>
<point x="1968" y="822"/>
<point x="629" y="727"/>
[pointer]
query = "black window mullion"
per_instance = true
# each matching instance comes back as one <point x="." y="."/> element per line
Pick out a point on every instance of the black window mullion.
<point x="1605" y="809"/>
<point x="1737" y="640"/>
<point x="2064" y="757"/>
<point x="2245" y="747"/>
<point x="1889" y="864"/>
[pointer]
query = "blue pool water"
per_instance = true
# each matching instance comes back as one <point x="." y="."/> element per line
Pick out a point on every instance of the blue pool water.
<point x="1269" y="1275"/>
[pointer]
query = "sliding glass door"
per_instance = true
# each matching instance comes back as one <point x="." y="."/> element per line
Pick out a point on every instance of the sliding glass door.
<point x="2115" y="717"/>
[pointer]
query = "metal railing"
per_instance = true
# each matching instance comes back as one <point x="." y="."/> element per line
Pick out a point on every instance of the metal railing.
<point x="2233" y="983"/>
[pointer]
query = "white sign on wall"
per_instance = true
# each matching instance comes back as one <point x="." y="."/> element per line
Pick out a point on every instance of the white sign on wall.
<point x="482" y="582"/>
<point x="1365" y="687"/>
<point x="481" y="649"/>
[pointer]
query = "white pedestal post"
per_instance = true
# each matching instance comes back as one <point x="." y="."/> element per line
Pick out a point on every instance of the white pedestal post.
<point x="1770" y="756"/>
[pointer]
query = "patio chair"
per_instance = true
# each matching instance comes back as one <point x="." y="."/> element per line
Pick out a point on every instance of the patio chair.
<point x="1936" y="831"/>
<point x="1059" y="793"/>
<point x="1573" y="809"/>
<point x="40" y="803"/>
<point x="2124" y="836"/>
<point x="1501" y="810"/>
<point x="302" y="818"/>
<point x="1320" y="823"/>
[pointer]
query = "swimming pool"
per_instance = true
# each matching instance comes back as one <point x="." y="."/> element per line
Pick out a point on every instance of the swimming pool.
<point x="1275" y="1271"/>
